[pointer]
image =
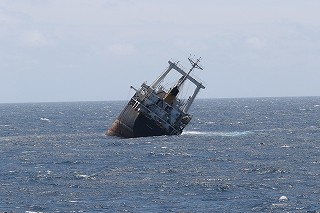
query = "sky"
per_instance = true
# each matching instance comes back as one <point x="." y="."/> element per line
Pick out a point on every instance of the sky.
<point x="94" y="50"/>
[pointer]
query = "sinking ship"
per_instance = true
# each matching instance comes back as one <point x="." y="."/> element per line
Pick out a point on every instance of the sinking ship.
<point x="154" y="110"/>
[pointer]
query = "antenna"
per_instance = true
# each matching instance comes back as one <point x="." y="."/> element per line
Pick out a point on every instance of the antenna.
<point x="195" y="64"/>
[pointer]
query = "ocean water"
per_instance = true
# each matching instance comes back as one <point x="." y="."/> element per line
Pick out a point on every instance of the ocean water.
<point x="236" y="155"/>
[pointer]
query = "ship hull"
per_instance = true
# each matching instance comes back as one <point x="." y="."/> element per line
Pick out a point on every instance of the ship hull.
<point x="132" y="123"/>
<point x="155" y="110"/>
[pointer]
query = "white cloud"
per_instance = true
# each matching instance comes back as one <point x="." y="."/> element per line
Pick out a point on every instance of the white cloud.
<point x="255" y="43"/>
<point x="122" y="49"/>
<point x="35" y="38"/>
<point x="5" y="18"/>
<point x="234" y="37"/>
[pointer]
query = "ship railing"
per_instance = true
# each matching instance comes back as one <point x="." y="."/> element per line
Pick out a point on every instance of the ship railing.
<point x="147" y="90"/>
<point x="177" y="126"/>
<point x="138" y="103"/>
<point x="162" y="107"/>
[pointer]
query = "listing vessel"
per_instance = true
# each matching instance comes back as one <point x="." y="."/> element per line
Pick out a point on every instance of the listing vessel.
<point x="155" y="110"/>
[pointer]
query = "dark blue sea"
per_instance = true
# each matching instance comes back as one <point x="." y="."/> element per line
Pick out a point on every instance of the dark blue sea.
<point x="236" y="155"/>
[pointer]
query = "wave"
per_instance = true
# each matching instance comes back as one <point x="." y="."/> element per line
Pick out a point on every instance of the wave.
<point x="45" y="119"/>
<point x="221" y="134"/>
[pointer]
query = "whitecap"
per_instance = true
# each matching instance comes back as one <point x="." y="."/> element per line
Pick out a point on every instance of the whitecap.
<point x="283" y="198"/>
<point x="85" y="177"/>
<point x="193" y="133"/>
<point x="74" y="201"/>
<point x="233" y="134"/>
<point x="4" y="125"/>
<point x="210" y="122"/>
<point x="33" y="212"/>
<point x="82" y="176"/>
<point x="45" y="119"/>
<point x="222" y="134"/>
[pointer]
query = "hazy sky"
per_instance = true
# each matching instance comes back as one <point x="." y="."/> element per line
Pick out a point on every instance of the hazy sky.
<point x="81" y="50"/>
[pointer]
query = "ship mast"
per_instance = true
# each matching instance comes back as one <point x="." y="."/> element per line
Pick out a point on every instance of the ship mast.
<point x="198" y="85"/>
<point x="171" y="95"/>
<point x="194" y="65"/>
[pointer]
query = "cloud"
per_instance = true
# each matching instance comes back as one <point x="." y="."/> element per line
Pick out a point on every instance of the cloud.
<point x="35" y="38"/>
<point x="122" y="49"/>
<point x="5" y="18"/>
<point x="255" y="43"/>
